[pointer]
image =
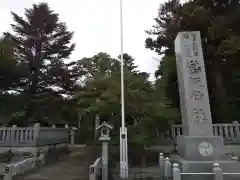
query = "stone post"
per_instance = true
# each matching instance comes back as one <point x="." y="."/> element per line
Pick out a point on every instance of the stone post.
<point x="161" y="160"/>
<point x="217" y="172"/>
<point x="36" y="130"/>
<point x="236" y="124"/>
<point x="36" y="135"/>
<point x="167" y="168"/>
<point x="8" y="173"/>
<point x="104" y="160"/>
<point x="92" y="173"/>
<point x="69" y="132"/>
<point x="13" y="130"/>
<point x="235" y="158"/>
<point x="71" y="135"/>
<point x="72" y="139"/>
<point x="176" y="172"/>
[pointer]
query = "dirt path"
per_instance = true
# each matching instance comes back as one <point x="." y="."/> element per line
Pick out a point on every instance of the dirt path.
<point x="73" y="166"/>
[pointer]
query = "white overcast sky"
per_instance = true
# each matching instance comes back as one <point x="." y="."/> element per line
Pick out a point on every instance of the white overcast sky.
<point x="96" y="25"/>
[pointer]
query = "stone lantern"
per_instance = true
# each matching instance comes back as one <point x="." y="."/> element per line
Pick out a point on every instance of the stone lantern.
<point x="104" y="129"/>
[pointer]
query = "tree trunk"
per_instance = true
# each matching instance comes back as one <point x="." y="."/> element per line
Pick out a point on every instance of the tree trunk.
<point x="221" y="103"/>
<point x="79" y="121"/>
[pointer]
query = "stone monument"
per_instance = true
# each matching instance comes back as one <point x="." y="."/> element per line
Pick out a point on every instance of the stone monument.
<point x="198" y="148"/>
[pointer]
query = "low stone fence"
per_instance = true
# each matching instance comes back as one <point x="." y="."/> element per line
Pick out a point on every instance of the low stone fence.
<point x="21" y="167"/>
<point x="172" y="171"/>
<point x="168" y="170"/>
<point x="95" y="169"/>
<point x="227" y="131"/>
<point x="216" y="173"/>
<point x="34" y="136"/>
<point x="44" y="145"/>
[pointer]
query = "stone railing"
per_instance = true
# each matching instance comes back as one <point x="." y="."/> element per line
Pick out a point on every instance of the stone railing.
<point x="32" y="136"/>
<point x="172" y="171"/>
<point x="21" y="167"/>
<point x="228" y="131"/>
<point x="95" y="169"/>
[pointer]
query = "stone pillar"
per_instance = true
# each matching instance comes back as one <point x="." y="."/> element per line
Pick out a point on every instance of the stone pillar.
<point x="72" y="138"/>
<point x="69" y="133"/>
<point x="176" y="172"/>
<point x="13" y="130"/>
<point x="36" y="130"/>
<point x="197" y="142"/>
<point x="104" y="160"/>
<point x="217" y="172"/>
<point x="92" y="173"/>
<point x="36" y="135"/>
<point x="161" y="160"/>
<point x="167" y="168"/>
<point x="236" y="124"/>
<point x="194" y="98"/>
<point x="8" y="173"/>
<point x="235" y="158"/>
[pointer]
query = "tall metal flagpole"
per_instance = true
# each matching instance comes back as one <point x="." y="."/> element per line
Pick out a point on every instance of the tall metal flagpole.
<point x="123" y="129"/>
<point x="122" y="68"/>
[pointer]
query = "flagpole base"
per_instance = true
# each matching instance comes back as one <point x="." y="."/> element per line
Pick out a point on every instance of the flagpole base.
<point x="123" y="153"/>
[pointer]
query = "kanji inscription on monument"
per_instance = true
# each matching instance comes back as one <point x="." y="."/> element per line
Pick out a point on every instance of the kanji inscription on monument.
<point x="195" y="108"/>
<point x="196" y="81"/>
<point x="197" y="95"/>
<point x="194" y="67"/>
<point x="191" y="47"/>
<point x="198" y="116"/>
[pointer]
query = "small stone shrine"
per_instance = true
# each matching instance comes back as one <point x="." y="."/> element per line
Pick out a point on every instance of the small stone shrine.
<point x="198" y="148"/>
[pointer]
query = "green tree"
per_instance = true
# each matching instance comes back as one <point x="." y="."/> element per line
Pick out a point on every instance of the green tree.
<point x="11" y="71"/>
<point x="145" y="109"/>
<point x="10" y="80"/>
<point x="43" y="43"/>
<point x="217" y="22"/>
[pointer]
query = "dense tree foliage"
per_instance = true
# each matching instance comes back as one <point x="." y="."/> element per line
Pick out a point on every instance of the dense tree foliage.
<point x="101" y="95"/>
<point x="218" y="23"/>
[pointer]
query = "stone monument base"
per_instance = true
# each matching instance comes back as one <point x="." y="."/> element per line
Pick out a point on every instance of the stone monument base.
<point x="186" y="166"/>
<point x="189" y="148"/>
<point x="194" y="158"/>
